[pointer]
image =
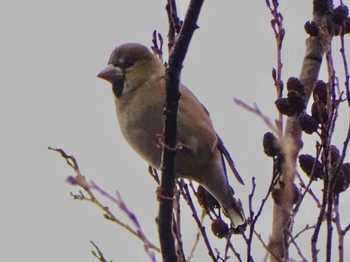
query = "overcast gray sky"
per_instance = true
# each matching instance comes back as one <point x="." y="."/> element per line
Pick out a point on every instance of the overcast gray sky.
<point x="51" y="52"/>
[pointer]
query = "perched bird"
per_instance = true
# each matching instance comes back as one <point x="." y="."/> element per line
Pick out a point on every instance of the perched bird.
<point x="138" y="83"/>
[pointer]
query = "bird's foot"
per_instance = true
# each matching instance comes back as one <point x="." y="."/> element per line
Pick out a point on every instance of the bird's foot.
<point x="161" y="197"/>
<point x="160" y="143"/>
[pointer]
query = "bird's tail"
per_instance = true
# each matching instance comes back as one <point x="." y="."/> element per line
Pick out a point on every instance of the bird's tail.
<point x="235" y="213"/>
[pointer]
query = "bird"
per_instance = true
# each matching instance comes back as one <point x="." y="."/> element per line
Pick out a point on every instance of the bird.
<point x="137" y="76"/>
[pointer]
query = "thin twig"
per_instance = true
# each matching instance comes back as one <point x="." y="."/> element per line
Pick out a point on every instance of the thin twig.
<point x="279" y="31"/>
<point x="197" y="238"/>
<point x="340" y="233"/>
<point x="177" y="227"/>
<point x="80" y="180"/>
<point x="265" y="246"/>
<point x="132" y="217"/>
<point x="307" y="188"/>
<point x="188" y="199"/>
<point x="292" y="240"/>
<point x="235" y="252"/>
<point x="346" y="229"/>
<point x="254" y="219"/>
<point x="157" y="48"/>
<point x="99" y="255"/>
<point x="345" y="63"/>
<point x="255" y="109"/>
<point x="306" y="228"/>
<point x="172" y="83"/>
<point x="292" y="141"/>
<point x="321" y="215"/>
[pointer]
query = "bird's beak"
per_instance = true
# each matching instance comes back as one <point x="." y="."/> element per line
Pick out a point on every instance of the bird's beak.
<point x="109" y="74"/>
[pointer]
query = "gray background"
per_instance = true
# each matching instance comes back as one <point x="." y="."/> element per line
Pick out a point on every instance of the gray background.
<point x="51" y="52"/>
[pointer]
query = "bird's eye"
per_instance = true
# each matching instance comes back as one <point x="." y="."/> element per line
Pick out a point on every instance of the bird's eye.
<point x="129" y="62"/>
<point x="126" y="62"/>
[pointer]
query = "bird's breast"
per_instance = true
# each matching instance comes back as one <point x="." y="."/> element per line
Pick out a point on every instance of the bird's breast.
<point x="141" y="124"/>
<point x="140" y="116"/>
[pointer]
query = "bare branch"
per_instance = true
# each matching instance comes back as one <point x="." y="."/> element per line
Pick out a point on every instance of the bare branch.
<point x="277" y="26"/>
<point x="177" y="227"/>
<point x="256" y="110"/>
<point x="188" y="199"/>
<point x="172" y="78"/>
<point x="99" y="254"/>
<point x="345" y="63"/>
<point x="291" y="143"/>
<point x="80" y="180"/>
<point x="197" y="238"/>
<point x="292" y="240"/>
<point x="321" y="215"/>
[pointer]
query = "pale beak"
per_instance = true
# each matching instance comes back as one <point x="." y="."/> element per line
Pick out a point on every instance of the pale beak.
<point x="109" y="74"/>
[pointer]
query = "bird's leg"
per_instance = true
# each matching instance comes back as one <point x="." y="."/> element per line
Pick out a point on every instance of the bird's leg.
<point x="161" y="197"/>
<point x="161" y="144"/>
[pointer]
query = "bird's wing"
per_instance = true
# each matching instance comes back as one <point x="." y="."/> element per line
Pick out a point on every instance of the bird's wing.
<point x="195" y="127"/>
<point x="224" y="152"/>
<point x="229" y="160"/>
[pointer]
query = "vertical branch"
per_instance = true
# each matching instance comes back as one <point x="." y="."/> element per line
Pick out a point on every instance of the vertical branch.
<point x="291" y="143"/>
<point x="329" y="221"/>
<point x="345" y="63"/>
<point x="279" y="31"/>
<point x="173" y="21"/>
<point x="315" y="235"/>
<point x="172" y="77"/>
<point x="326" y="142"/>
<point x="340" y="233"/>
<point x="188" y="199"/>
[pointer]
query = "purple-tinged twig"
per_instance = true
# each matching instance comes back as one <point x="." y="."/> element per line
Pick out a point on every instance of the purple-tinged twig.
<point x="187" y="196"/>
<point x="346" y="229"/>
<point x="172" y="83"/>
<point x="132" y="217"/>
<point x="279" y="31"/>
<point x="256" y="110"/>
<point x="157" y="45"/>
<point x="292" y="240"/>
<point x="266" y="247"/>
<point x="254" y="218"/>
<point x="321" y="215"/>
<point x="307" y="188"/>
<point x="177" y="227"/>
<point x="306" y="228"/>
<point x="340" y="233"/>
<point x="345" y="63"/>
<point x="198" y="237"/>
<point x="174" y="23"/>
<point x="235" y="252"/>
<point x="99" y="255"/>
<point x="80" y="180"/>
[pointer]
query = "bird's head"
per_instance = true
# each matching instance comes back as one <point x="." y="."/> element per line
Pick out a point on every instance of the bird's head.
<point x="130" y="66"/>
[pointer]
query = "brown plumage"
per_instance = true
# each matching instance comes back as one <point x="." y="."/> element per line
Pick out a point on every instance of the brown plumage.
<point x="137" y="78"/>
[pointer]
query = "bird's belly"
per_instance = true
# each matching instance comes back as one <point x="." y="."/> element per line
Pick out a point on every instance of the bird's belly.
<point x="144" y="132"/>
<point x="147" y="145"/>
